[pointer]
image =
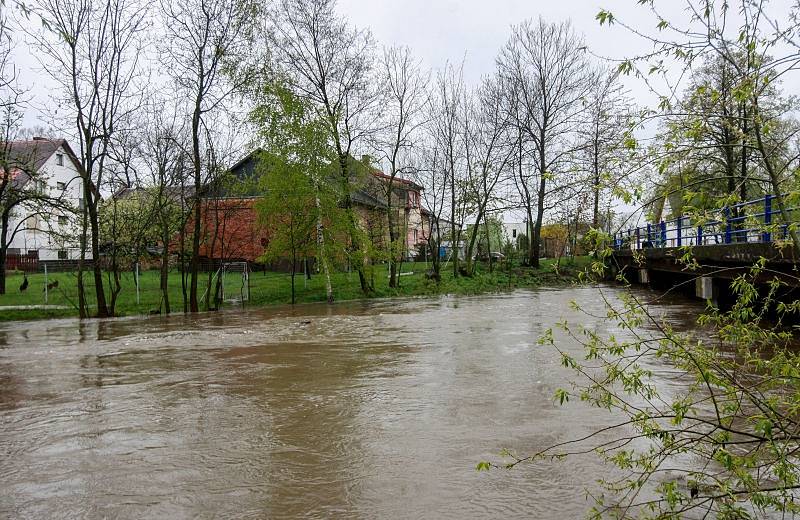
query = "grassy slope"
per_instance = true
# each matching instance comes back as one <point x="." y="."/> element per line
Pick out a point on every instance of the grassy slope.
<point x="274" y="288"/>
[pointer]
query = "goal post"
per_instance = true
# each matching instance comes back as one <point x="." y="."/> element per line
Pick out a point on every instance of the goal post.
<point x="240" y="285"/>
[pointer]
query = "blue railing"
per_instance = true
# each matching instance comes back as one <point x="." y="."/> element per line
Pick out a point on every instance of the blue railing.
<point x="746" y="222"/>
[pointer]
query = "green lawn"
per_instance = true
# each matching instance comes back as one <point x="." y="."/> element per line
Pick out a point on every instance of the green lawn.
<point x="273" y="288"/>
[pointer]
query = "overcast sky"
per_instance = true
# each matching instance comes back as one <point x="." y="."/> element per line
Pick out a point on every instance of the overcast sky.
<point x="455" y="30"/>
<point x="438" y="31"/>
<point x="475" y="30"/>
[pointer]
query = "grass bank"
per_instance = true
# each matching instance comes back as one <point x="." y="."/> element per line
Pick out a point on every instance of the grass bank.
<point x="271" y="288"/>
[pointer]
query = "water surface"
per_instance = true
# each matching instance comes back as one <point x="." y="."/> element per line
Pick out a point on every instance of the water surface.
<point x="356" y="410"/>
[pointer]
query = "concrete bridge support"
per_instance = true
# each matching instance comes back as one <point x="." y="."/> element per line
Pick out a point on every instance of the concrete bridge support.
<point x="704" y="287"/>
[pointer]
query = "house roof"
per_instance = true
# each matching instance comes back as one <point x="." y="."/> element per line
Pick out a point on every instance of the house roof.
<point x="365" y="199"/>
<point x="399" y="180"/>
<point x="22" y="158"/>
<point x="173" y="192"/>
<point x="244" y="160"/>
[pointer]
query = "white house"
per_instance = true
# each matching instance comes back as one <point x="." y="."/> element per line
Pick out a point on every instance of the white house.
<point x="50" y="234"/>
<point x="512" y="231"/>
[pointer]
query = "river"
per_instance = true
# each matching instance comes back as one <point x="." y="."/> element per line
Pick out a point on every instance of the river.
<point x="375" y="409"/>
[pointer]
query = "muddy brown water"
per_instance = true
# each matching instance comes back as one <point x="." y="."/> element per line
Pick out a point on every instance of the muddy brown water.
<point x="357" y="410"/>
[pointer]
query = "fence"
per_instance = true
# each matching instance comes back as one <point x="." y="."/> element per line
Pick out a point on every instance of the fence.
<point x="140" y="290"/>
<point x="746" y="222"/>
<point x="26" y="263"/>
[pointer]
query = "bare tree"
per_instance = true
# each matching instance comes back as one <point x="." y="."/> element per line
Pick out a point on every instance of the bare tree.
<point x="328" y="62"/>
<point x="430" y="174"/>
<point x="91" y="49"/>
<point x="550" y="74"/>
<point x="446" y="124"/>
<point x="488" y="153"/>
<point x="404" y="101"/>
<point x="606" y="126"/>
<point x="166" y="163"/>
<point x="205" y="36"/>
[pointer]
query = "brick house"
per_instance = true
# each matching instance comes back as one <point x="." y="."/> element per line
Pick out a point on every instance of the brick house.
<point x="231" y="231"/>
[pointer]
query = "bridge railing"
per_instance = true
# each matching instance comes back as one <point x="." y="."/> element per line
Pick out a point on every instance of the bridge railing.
<point x="746" y="222"/>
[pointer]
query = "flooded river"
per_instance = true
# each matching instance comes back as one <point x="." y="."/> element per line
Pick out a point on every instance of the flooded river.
<point x="356" y="410"/>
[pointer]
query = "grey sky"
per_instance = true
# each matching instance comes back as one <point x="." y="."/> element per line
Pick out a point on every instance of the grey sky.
<point x="473" y="31"/>
<point x="441" y="30"/>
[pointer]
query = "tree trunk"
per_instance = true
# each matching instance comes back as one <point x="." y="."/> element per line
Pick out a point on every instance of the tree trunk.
<point x="164" y="278"/>
<point x="392" y="235"/>
<point x="182" y="263"/>
<point x="82" y="310"/>
<point x="3" y="251"/>
<point x="102" y="308"/>
<point x="321" y="248"/>
<point x="453" y="237"/>
<point x="743" y="164"/>
<point x="774" y="180"/>
<point x="488" y="244"/>
<point x="537" y="227"/>
<point x="473" y="236"/>
<point x="194" y="267"/>
<point x="293" y="271"/>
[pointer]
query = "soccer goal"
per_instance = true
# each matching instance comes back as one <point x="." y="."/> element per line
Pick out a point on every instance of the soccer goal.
<point x="236" y="282"/>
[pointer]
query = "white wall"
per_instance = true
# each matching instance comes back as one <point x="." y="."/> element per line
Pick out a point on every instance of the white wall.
<point x="509" y="229"/>
<point x="48" y="237"/>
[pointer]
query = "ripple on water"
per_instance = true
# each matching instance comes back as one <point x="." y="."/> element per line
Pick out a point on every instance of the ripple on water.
<point x="374" y="410"/>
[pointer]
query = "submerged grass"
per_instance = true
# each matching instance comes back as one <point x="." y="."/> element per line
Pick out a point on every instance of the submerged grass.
<point x="271" y="288"/>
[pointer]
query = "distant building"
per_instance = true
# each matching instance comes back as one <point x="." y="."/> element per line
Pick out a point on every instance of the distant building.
<point x="513" y="230"/>
<point x="46" y="234"/>
<point x="231" y="230"/>
<point x="410" y="217"/>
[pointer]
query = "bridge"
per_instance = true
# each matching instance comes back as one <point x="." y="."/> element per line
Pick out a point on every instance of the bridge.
<point x="725" y="244"/>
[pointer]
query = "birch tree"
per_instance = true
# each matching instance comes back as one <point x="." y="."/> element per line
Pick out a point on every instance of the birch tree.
<point x="328" y="63"/>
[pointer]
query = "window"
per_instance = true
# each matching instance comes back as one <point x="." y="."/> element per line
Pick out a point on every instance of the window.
<point x="42" y="187"/>
<point x="61" y="186"/>
<point x="62" y="220"/>
<point x="33" y="252"/>
<point x="62" y="254"/>
<point x="513" y="233"/>
<point x="60" y="159"/>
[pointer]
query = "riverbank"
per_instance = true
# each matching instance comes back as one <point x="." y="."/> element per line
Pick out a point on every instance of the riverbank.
<point x="271" y="288"/>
